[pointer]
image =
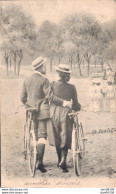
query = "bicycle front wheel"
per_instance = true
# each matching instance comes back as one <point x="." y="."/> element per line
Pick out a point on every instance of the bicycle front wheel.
<point x="76" y="156"/>
<point x="32" y="152"/>
<point x="81" y="141"/>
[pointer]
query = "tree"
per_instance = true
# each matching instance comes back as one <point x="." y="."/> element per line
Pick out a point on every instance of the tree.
<point x="18" y="31"/>
<point x="85" y="32"/>
<point x="69" y="51"/>
<point x="103" y="45"/>
<point x="71" y="34"/>
<point x="49" y="41"/>
<point x="90" y="35"/>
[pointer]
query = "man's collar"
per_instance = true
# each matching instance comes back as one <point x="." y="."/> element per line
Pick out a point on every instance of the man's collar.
<point x="40" y="74"/>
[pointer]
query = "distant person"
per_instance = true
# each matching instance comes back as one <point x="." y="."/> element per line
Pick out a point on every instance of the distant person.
<point x="110" y="97"/>
<point x="109" y="74"/>
<point x="98" y="98"/>
<point x="61" y="134"/>
<point x="106" y="67"/>
<point x="104" y="91"/>
<point x="92" y="94"/>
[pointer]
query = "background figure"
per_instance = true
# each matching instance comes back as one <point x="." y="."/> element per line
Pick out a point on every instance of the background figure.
<point x="98" y="99"/>
<point x="92" y="95"/>
<point x="104" y="91"/>
<point x="109" y="74"/>
<point x="110" y="97"/>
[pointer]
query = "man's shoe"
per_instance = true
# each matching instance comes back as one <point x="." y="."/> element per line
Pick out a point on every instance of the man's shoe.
<point x="41" y="168"/>
<point x="40" y="154"/>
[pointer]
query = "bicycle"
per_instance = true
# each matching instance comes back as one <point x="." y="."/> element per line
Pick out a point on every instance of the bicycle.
<point x="30" y="151"/>
<point x="78" y="142"/>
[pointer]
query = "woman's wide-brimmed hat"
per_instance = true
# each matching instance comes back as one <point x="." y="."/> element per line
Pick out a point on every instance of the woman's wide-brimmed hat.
<point x="97" y="81"/>
<point x="38" y="62"/>
<point x="63" y="68"/>
<point x="93" y="81"/>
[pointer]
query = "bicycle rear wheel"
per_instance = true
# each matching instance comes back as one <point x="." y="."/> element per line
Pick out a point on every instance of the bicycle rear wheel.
<point x="76" y="156"/>
<point x="32" y="151"/>
<point x="25" y="141"/>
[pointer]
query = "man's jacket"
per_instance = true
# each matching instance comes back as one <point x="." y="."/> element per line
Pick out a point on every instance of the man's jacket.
<point x="35" y="88"/>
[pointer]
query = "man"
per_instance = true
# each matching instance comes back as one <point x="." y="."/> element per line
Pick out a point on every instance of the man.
<point x="60" y="135"/>
<point x="34" y="93"/>
<point x="34" y="90"/>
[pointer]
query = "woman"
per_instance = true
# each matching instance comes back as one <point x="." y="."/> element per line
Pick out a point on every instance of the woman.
<point x="98" y="98"/>
<point x="60" y="135"/>
<point x="110" y="97"/>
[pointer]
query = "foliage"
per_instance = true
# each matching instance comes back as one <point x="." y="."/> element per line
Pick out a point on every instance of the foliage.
<point x="18" y="35"/>
<point x="77" y="39"/>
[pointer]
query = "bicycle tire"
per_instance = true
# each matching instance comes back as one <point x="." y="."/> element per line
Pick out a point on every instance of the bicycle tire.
<point x="32" y="151"/>
<point x="81" y="141"/>
<point x="25" y="141"/>
<point x="75" y="149"/>
<point x="26" y="136"/>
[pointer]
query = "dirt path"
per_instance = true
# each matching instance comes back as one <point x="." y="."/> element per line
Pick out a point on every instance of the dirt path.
<point x="100" y="156"/>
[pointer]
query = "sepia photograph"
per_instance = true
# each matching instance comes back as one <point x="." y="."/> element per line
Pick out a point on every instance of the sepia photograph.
<point x="58" y="93"/>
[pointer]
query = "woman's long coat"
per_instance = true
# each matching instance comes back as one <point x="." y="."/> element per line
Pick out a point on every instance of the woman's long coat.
<point x="60" y="134"/>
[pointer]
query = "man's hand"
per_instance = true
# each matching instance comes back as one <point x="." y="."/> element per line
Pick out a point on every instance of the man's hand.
<point x="67" y="104"/>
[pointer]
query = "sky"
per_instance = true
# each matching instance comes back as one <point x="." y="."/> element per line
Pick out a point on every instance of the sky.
<point x="56" y="10"/>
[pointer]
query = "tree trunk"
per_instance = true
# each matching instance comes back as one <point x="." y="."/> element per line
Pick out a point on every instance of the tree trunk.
<point x="14" y="59"/>
<point x="10" y="63"/>
<point x="95" y="63"/>
<point x="58" y="60"/>
<point x="83" y="63"/>
<point x="79" y="64"/>
<point x="18" y="68"/>
<point x="71" y="60"/>
<point x="15" y="66"/>
<point x="79" y="60"/>
<point x="6" y="60"/>
<point x="20" y="54"/>
<point x="102" y="67"/>
<point x="87" y="58"/>
<point x="88" y="68"/>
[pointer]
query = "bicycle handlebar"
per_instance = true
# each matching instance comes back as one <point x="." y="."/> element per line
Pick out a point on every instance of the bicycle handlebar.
<point x="31" y="109"/>
<point x="73" y="113"/>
